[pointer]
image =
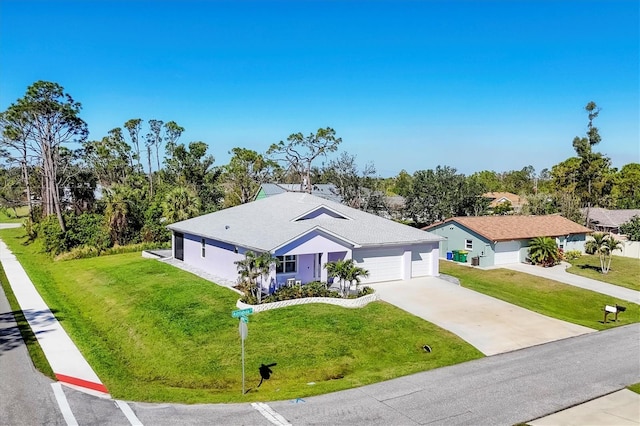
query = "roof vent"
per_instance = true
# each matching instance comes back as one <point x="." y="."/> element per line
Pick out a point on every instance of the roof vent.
<point x="226" y="227"/>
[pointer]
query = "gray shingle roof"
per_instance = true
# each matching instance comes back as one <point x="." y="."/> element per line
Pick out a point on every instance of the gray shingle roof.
<point x="323" y="190"/>
<point x="268" y="223"/>
<point x="610" y="218"/>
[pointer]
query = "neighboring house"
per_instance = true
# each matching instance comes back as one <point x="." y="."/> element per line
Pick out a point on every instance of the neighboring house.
<point x="497" y="198"/>
<point x="323" y="190"/>
<point x="304" y="232"/>
<point x="499" y="240"/>
<point x="605" y="220"/>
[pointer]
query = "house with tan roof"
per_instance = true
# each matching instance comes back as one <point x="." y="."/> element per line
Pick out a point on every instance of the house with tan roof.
<point x="497" y="198"/>
<point x="304" y="232"/>
<point x="500" y="240"/>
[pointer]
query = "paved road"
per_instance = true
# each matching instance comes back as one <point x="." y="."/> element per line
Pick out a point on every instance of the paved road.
<point x="503" y="389"/>
<point x="26" y="396"/>
<point x="491" y="325"/>
<point x="559" y="273"/>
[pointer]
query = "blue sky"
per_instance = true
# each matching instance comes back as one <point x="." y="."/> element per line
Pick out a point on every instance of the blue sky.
<point x="475" y="85"/>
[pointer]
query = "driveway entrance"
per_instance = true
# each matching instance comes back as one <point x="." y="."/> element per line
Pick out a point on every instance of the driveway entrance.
<point x="489" y="324"/>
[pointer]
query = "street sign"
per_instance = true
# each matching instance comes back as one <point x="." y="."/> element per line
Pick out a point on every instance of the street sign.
<point x="244" y="319"/>
<point x="242" y="313"/>
<point x="243" y="329"/>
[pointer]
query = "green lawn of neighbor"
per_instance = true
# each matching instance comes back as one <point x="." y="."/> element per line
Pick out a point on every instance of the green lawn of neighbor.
<point x="155" y="333"/>
<point x="547" y="297"/>
<point x="624" y="271"/>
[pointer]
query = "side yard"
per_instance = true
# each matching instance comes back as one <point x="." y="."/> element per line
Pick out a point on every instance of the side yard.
<point x="155" y="333"/>
<point x="544" y="296"/>
<point x="624" y="271"/>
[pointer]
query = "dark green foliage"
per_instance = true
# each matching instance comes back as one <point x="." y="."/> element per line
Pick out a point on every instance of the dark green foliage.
<point x="544" y="251"/>
<point x="82" y="230"/>
<point x="442" y="193"/>
<point x="631" y="229"/>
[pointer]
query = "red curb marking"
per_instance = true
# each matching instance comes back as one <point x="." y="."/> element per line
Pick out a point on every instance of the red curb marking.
<point x="82" y="383"/>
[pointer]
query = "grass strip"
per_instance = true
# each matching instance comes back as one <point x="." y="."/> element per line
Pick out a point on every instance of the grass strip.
<point x="635" y="388"/>
<point x="156" y="333"/>
<point x="624" y="272"/>
<point x="29" y="338"/>
<point x="547" y="297"/>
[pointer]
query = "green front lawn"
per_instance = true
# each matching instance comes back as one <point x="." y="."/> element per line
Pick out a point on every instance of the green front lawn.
<point x="544" y="296"/>
<point x="14" y="215"/>
<point x="635" y="387"/>
<point x="624" y="271"/>
<point x="155" y="333"/>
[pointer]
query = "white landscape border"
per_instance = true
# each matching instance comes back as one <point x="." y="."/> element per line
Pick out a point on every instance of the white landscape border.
<point x="345" y="303"/>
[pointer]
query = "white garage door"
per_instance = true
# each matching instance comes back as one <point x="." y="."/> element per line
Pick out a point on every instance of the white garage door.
<point x="422" y="261"/>
<point x="383" y="264"/>
<point x="507" y="252"/>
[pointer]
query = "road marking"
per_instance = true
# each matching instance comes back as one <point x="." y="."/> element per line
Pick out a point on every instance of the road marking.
<point x="128" y="412"/>
<point x="64" y="404"/>
<point x="270" y="414"/>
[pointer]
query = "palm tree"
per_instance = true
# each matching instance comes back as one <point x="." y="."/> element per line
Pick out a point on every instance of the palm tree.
<point x="544" y="251"/>
<point x="593" y="246"/>
<point x="337" y="269"/>
<point x="354" y="273"/>
<point x="248" y="273"/>
<point x="181" y="203"/>
<point x="606" y="252"/>
<point x="117" y="211"/>
<point x="255" y="266"/>
<point x="264" y="263"/>
<point x="347" y="272"/>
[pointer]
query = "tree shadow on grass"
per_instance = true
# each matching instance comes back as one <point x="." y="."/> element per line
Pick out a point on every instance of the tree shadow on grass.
<point x="590" y="267"/>
<point x="15" y="330"/>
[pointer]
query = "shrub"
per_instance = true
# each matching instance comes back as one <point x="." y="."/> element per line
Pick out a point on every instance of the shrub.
<point x="573" y="254"/>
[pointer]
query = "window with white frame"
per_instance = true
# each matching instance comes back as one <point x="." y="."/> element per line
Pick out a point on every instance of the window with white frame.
<point x="287" y="264"/>
<point x="468" y="244"/>
<point x="203" y="247"/>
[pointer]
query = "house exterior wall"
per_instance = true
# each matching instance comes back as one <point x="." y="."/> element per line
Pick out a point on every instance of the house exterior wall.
<point x="219" y="257"/>
<point x="456" y="236"/>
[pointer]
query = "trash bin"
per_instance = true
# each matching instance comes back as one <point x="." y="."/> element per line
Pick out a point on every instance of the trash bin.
<point x="456" y="255"/>
<point x="475" y="261"/>
<point x="462" y="255"/>
<point x="449" y="255"/>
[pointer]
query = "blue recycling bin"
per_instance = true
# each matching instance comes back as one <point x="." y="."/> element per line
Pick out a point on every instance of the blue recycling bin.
<point x="449" y="255"/>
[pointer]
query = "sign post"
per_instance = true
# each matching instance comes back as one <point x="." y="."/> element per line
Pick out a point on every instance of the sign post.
<point x="244" y="331"/>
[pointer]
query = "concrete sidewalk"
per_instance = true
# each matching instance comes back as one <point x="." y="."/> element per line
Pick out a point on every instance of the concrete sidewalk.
<point x="65" y="358"/>
<point x="616" y="409"/>
<point x="559" y="273"/>
<point x="491" y="325"/>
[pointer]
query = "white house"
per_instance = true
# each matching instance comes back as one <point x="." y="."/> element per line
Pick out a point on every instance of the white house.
<point x="304" y="232"/>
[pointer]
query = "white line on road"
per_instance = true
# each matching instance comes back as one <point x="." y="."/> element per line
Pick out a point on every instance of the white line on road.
<point x="63" y="404"/>
<point x="270" y="414"/>
<point x="128" y="412"/>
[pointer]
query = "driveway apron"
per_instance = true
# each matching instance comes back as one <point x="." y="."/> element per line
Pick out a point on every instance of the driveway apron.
<point x="489" y="324"/>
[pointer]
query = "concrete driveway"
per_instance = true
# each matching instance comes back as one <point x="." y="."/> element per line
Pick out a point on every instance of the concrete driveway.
<point x="489" y="324"/>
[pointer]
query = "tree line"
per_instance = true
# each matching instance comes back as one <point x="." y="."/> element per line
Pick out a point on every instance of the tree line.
<point x="125" y="187"/>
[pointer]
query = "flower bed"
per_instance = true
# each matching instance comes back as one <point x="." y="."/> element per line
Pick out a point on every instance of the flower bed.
<point x="346" y="303"/>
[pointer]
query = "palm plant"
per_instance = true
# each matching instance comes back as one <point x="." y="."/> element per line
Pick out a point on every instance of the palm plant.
<point x="354" y="273"/>
<point x="248" y="274"/>
<point x="337" y="269"/>
<point x="593" y="245"/>
<point x="255" y="266"/>
<point x="181" y="203"/>
<point x="347" y="272"/>
<point x="609" y="244"/>
<point x="544" y="251"/>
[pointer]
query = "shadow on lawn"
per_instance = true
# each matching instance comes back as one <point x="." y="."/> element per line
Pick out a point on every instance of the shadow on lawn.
<point x="13" y="336"/>
<point x="590" y="267"/>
